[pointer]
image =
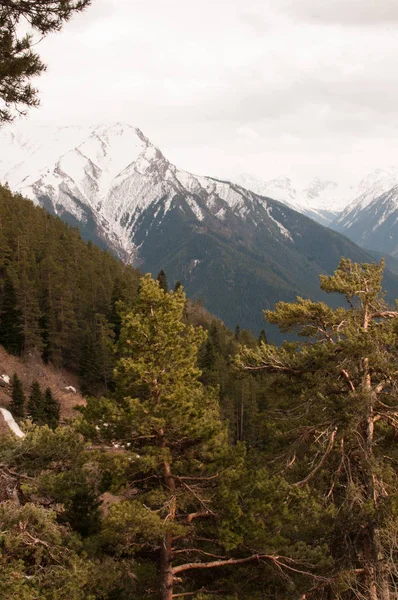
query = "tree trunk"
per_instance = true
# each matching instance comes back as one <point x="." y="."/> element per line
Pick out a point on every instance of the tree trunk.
<point x="377" y="580"/>
<point x="166" y="553"/>
<point x="166" y="573"/>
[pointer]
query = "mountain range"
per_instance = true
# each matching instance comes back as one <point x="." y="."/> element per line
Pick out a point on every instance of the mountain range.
<point x="367" y="213"/>
<point x="321" y="200"/>
<point x="238" y="250"/>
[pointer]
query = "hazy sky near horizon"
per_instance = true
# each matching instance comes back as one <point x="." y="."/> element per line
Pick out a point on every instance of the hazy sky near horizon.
<point x="300" y="88"/>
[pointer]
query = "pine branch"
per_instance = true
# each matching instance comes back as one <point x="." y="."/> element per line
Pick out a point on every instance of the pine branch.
<point x="279" y="561"/>
<point x="201" y="591"/>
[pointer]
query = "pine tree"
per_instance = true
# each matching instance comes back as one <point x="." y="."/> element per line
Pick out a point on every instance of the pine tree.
<point x="11" y="333"/>
<point x="338" y="390"/>
<point x="177" y="285"/>
<point x="262" y="338"/>
<point x="174" y="449"/>
<point x="51" y="410"/>
<point x="52" y="286"/>
<point x="35" y="408"/>
<point x="162" y="279"/>
<point x="17" y="405"/>
<point x="30" y="306"/>
<point x="41" y="555"/>
<point x="49" y="568"/>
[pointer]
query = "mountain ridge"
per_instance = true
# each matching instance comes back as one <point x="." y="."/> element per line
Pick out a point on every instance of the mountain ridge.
<point x="239" y="251"/>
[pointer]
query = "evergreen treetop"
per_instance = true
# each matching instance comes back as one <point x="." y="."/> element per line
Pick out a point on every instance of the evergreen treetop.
<point x="11" y="329"/>
<point x="17" y="405"/>
<point x="35" y="408"/>
<point x="18" y="60"/>
<point x="51" y="410"/>
<point x="162" y="279"/>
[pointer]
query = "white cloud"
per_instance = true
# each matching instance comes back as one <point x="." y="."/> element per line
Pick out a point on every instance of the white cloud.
<point x="299" y="87"/>
<point x="345" y="12"/>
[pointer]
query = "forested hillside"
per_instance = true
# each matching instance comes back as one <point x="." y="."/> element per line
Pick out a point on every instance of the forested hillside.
<point x="204" y="463"/>
<point x="59" y="294"/>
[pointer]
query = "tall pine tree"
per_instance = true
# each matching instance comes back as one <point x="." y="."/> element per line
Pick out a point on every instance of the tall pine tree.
<point x="338" y="393"/>
<point x="174" y="449"/>
<point x="51" y="410"/>
<point x="35" y="408"/>
<point x="11" y="328"/>
<point x="162" y="279"/>
<point x="17" y="404"/>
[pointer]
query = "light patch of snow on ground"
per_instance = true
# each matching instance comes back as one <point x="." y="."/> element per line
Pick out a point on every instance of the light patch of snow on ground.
<point x="189" y="182"/>
<point x="12" y="424"/>
<point x="285" y="232"/>
<point x="195" y="208"/>
<point x="194" y="263"/>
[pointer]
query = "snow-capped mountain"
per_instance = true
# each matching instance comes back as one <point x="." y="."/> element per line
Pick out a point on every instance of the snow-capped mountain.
<point x="237" y="250"/>
<point x="107" y="177"/>
<point x="321" y="200"/>
<point x="371" y="217"/>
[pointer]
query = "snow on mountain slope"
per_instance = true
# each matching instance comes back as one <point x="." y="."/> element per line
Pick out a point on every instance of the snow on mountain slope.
<point x="371" y="218"/>
<point x="113" y="183"/>
<point x="369" y="189"/>
<point x="320" y="200"/>
<point x="107" y="177"/>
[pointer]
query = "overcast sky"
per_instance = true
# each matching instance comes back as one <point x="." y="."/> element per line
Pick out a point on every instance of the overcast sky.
<point x="300" y="88"/>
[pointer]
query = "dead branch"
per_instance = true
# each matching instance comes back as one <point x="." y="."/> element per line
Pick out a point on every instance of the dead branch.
<point x="321" y="462"/>
<point x="199" y="515"/>
<point x="279" y="561"/>
<point x="210" y="478"/>
<point x="200" y="500"/>
<point x="197" y="550"/>
<point x="201" y="591"/>
<point x="347" y="376"/>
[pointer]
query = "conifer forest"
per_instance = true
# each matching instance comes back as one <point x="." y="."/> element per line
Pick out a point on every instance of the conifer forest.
<point x="205" y="463"/>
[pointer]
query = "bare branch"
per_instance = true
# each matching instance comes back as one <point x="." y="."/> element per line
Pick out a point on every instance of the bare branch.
<point x="347" y="376"/>
<point x="321" y="462"/>
<point x="199" y="515"/>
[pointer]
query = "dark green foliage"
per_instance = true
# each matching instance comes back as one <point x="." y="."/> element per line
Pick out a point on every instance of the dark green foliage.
<point x="97" y="356"/>
<point x="35" y="407"/>
<point x="198" y="504"/>
<point x="59" y="296"/>
<point x="162" y="279"/>
<point x="50" y="569"/>
<point x="51" y="410"/>
<point x="262" y="338"/>
<point x="240" y="397"/>
<point x="11" y="335"/>
<point x="17" y="404"/>
<point x="177" y="286"/>
<point x="18" y="60"/>
<point x="43" y="409"/>
<point x="42" y="553"/>
<point x="167" y="422"/>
